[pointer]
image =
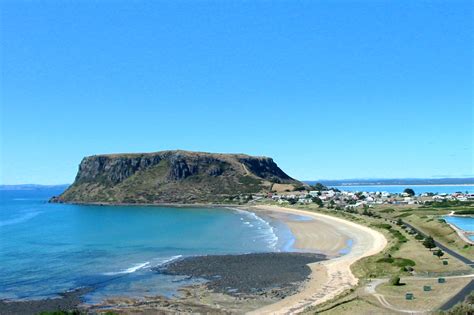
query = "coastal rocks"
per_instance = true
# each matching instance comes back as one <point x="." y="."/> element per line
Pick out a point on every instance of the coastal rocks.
<point x="274" y="275"/>
<point x="68" y="301"/>
<point x="172" y="177"/>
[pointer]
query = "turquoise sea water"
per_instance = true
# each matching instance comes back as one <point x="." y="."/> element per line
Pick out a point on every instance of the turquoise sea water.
<point x="463" y="223"/>
<point x="47" y="248"/>
<point x="419" y="189"/>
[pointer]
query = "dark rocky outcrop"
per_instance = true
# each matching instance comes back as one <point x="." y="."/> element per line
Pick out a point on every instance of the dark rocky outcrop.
<point x="172" y="177"/>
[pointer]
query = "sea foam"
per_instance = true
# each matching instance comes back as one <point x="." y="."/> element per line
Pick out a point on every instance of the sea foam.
<point x="128" y="270"/>
<point x="269" y="231"/>
<point x="136" y="267"/>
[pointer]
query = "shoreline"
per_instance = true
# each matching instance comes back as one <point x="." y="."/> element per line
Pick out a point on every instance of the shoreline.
<point x="461" y="233"/>
<point x="313" y="236"/>
<point x="323" y="234"/>
<point x="332" y="277"/>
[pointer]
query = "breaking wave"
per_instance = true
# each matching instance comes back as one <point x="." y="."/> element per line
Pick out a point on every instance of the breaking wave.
<point x="262" y="224"/>
<point x="142" y="266"/>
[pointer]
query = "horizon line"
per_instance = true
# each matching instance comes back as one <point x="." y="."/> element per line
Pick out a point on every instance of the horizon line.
<point x="306" y="180"/>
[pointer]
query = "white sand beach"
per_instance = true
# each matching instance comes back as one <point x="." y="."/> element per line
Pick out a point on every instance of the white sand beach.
<point x="329" y="235"/>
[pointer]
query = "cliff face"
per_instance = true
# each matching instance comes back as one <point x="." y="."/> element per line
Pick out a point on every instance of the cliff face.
<point x="172" y="177"/>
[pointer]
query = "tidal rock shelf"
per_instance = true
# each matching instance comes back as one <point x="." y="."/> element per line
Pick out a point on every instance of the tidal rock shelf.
<point x="269" y="274"/>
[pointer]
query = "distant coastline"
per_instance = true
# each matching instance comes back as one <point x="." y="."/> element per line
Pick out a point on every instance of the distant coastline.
<point x="395" y="181"/>
<point x="405" y="185"/>
<point x="464" y="181"/>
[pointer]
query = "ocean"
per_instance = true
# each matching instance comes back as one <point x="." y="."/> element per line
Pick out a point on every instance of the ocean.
<point x="419" y="189"/>
<point x="47" y="249"/>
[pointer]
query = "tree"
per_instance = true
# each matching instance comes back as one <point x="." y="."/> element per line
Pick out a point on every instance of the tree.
<point x="399" y="222"/>
<point x="319" y="187"/>
<point x="317" y="201"/>
<point x="292" y="201"/>
<point x="419" y="236"/>
<point x="429" y="243"/>
<point x="409" y="191"/>
<point x="439" y="253"/>
<point x="299" y="188"/>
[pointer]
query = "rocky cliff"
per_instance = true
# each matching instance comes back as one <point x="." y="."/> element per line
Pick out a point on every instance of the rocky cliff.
<point x="173" y="177"/>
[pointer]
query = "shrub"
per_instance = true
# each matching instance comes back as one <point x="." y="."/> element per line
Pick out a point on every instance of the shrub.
<point x="382" y="226"/>
<point x="399" y="236"/>
<point x="419" y="237"/>
<point x="403" y="262"/>
<point x="464" y="212"/>
<point x="388" y="260"/>
<point x="395" y="280"/>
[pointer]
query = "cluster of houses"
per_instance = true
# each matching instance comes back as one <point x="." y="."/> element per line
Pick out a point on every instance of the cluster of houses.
<point x="349" y="199"/>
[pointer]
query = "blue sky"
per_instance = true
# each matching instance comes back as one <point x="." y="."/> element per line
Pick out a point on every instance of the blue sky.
<point x="329" y="89"/>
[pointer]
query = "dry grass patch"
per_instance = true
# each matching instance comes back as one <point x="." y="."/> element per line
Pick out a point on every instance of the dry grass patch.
<point x="431" y="300"/>
<point x="357" y="306"/>
<point x="443" y="233"/>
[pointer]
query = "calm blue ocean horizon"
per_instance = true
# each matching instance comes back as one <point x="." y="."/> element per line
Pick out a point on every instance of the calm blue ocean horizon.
<point x="48" y="249"/>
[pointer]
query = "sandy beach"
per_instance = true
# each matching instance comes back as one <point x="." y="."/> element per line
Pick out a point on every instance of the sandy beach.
<point x="324" y="234"/>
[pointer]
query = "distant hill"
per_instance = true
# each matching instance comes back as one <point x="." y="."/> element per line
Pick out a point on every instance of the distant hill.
<point x="395" y="181"/>
<point x="32" y="187"/>
<point x="173" y="177"/>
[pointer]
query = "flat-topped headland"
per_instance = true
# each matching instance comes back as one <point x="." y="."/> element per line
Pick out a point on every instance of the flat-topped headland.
<point x="177" y="176"/>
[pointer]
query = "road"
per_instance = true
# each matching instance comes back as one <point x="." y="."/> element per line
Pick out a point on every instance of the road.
<point x="462" y="258"/>
<point x="461" y="295"/>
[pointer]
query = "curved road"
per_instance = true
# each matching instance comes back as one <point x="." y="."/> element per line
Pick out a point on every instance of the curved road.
<point x="462" y="258"/>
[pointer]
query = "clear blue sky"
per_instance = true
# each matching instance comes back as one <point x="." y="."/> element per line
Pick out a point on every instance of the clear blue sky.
<point x="329" y="89"/>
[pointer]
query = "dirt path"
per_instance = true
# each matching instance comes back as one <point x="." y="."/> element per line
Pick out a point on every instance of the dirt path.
<point x="371" y="287"/>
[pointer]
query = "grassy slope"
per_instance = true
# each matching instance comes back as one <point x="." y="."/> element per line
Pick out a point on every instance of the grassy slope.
<point x="426" y="219"/>
<point x="358" y="302"/>
<point x="433" y="299"/>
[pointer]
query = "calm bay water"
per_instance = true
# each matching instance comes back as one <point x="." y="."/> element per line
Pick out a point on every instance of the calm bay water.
<point x="47" y="248"/>
<point x="464" y="223"/>
<point x="419" y="189"/>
